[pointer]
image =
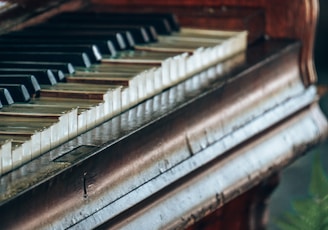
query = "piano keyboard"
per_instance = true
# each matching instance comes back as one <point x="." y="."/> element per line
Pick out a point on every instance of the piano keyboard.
<point x="58" y="80"/>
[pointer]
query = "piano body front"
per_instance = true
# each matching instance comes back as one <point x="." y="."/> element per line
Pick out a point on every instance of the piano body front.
<point x="208" y="158"/>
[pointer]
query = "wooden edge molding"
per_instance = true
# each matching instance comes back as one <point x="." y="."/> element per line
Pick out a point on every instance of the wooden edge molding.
<point x="295" y="20"/>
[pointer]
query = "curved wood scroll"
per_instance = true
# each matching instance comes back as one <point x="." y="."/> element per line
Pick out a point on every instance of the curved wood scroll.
<point x="295" y="19"/>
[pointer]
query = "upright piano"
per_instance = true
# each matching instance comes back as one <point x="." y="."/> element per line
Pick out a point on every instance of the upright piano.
<point x="204" y="151"/>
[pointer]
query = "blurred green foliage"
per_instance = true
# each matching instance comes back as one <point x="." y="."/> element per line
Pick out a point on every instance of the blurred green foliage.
<point x="310" y="213"/>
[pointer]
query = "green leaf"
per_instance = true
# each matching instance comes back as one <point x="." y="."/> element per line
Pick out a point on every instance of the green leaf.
<point x="319" y="182"/>
<point x="310" y="213"/>
<point x="303" y="206"/>
<point x="294" y="222"/>
<point x="325" y="223"/>
<point x="286" y="226"/>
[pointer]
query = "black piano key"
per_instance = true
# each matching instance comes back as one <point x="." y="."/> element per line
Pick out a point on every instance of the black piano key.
<point x="161" y="25"/>
<point x="29" y="81"/>
<point x="105" y="47"/>
<point x="91" y="50"/>
<point x="78" y="59"/>
<point x="150" y="31"/>
<point x="67" y="68"/>
<point x="18" y="92"/>
<point x="139" y="33"/>
<point x="116" y="38"/>
<point x="59" y="75"/>
<point x="171" y="19"/>
<point x="43" y="76"/>
<point x="5" y="97"/>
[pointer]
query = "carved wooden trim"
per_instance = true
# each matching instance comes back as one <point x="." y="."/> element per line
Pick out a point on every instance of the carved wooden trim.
<point x="295" y="19"/>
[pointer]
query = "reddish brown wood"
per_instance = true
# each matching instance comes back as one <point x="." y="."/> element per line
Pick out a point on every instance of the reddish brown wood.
<point x="295" y="19"/>
<point x="281" y="19"/>
<point x="246" y="212"/>
<point x="183" y="2"/>
<point x="18" y="14"/>
<point x="225" y="18"/>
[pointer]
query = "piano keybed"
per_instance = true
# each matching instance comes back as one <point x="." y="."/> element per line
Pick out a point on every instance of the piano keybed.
<point x="63" y="83"/>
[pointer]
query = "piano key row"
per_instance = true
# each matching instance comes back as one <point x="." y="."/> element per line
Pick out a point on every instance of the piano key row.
<point x="94" y="91"/>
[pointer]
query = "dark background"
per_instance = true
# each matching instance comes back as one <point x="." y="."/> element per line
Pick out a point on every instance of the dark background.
<point x="295" y="179"/>
<point x="321" y="43"/>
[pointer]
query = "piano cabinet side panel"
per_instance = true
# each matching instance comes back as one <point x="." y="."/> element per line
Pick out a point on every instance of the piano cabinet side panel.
<point x="295" y="19"/>
<point x="246" y="212"/>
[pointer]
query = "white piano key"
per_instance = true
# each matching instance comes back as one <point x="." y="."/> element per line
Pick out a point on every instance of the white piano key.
<point x="158" y="80"/>
<point x="206" y="58"/>
<point x="191" y="65"/>
<point x="199" y="54"/>
<point x="147" y="84"/>
<point x="141" y="88"/>
<point x="26" y="154"/>
<point x="182" y="63"/>
<point x="125" y="98"/>
<point x="16" y="155"/>
<point x="212" y="54"/>
<point x="64" y="121"/>
<point x="73" y="126"/>
<point x="174" y="73"/>
<point x="90" y="118"/>
<point x="6" y="158"/>
<point x="108" y="106"/>
<point x="219" y="52"/>
<point x="116" y="100"/>
<point x="45" y="136"/>
<point x="55" y="132"/>
<point x="129" y="94"/>
<point x="165" y="67"/>
<point x="82" y="121"/>
<point x="36" y="145"/>
<point x="100" y="113"/>
<point x="150" y="85"/>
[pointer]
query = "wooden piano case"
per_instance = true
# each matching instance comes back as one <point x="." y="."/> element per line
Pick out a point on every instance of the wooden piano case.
<point x="208" y="161"/>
